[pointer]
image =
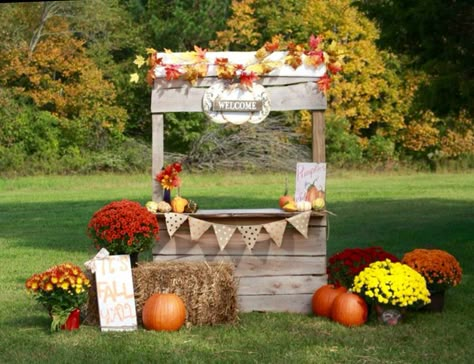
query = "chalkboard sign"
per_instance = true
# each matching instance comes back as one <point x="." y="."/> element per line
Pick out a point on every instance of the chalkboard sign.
<point x="115" y="293"/>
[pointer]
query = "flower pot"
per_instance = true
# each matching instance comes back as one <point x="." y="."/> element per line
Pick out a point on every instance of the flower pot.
<point x="437" y="302"/>
<point x="134" y="260"/>
<point x="73" y="321"/>
<point x="388" y="314"/>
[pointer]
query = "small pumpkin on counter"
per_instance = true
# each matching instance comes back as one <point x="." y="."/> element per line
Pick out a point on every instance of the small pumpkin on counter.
<point x="303" y="206"/>
<point x="163" y="207"/>
<point x="285" y="198"/>
<point x="191" y="207"/>
<point x="178" y="204"/>
<point x="290" y="206"/>
<point x="319" y="204"/>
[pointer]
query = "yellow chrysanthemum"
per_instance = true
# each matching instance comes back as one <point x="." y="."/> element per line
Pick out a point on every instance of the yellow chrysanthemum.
<point x="391" y="283"/>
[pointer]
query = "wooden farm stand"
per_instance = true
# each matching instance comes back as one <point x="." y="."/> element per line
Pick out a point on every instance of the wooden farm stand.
<point x="270" y="278"/>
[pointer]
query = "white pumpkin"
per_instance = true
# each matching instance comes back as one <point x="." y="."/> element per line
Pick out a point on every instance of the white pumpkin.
<point x="152" y="206"/>
<point x="163" y="207"/>
<point x="303" y="206"/>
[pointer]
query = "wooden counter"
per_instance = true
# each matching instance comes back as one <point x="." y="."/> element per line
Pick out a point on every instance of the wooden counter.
<point x="271" y="278"/>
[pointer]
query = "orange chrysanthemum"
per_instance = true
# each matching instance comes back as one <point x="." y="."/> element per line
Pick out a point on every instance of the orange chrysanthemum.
<point x="440" y="269"/>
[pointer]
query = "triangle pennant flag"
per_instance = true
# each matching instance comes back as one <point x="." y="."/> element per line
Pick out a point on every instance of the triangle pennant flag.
<point x="197" y="227"/>
<point x="300" y="222"/>
<point x="223" y="234"/>
<point x="250" y="234"/>
<point x="174" y="221"/>
<point x="276" y="230"/>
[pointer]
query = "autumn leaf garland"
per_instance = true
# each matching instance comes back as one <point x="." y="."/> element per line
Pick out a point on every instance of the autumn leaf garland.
<point x="193" y="65"/>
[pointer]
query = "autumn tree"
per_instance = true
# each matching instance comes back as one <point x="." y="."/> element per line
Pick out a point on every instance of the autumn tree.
<point x="49" y="67"/>
<point x="376" y="92"/>
<point x="367" y="92"/>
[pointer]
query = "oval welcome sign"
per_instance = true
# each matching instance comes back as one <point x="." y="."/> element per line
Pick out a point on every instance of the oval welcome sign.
<point x="224" y="102"/>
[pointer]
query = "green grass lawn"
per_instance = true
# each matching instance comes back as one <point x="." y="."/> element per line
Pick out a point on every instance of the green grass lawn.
<point x="43" y="222"/>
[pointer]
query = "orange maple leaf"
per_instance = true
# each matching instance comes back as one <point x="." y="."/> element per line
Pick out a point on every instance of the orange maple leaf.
<point x="315" y="41"/>
<point x="273" y="45"/>
<point x="314" y="58"/>
<point x="324" y="83"/>
<point x="154" y="60"/>
<point x="293" y="60"/>
<point x="200" y="53"/>
<point x="221" y="61"/>
<point x="150" y="76"/>
<point x="334" y="67"/>
<point x="247" y="78"/>
<point x="224" y="68"/>
<point x="172" y="72"/>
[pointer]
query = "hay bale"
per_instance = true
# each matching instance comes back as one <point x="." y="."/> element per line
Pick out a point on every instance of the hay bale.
<point x="208" y="290"/>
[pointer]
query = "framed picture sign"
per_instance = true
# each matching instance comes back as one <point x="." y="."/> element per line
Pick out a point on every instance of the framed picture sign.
<point x="310" y="181"/>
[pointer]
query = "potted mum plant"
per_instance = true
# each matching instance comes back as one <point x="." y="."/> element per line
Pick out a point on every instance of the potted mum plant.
<point x="123" y="227"/>
<point x="62" y="290"/>
<point x="440" y="269"/>
<point x="346" y="264"/>
<point x="391" y="287"/>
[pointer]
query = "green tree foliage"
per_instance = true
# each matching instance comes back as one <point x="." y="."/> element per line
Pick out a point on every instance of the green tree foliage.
<point x="177" y="25"/>
<point x="438" y="37"/>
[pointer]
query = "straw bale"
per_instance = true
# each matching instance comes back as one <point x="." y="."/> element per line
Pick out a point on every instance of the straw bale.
<point x="208" y="290"/>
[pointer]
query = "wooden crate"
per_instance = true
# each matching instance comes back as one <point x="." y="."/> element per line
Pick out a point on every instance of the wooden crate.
<point x="271" y="278"/>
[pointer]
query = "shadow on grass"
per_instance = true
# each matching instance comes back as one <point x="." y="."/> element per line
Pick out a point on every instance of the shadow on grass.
<point x="396" y="225"/>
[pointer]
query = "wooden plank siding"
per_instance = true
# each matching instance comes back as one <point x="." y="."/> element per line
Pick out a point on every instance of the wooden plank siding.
<point x="290" y="272"/>
<point x="302" y="95"/>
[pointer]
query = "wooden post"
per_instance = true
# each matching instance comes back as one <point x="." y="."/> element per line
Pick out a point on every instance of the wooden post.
<point x="157" y="145"/>
<point x="319" y="140"/>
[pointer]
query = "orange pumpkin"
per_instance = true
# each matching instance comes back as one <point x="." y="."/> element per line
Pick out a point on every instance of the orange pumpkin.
<point x="285" y="198"/>
<point x="323" y="299"/>
<point x="349" y="309"/>
<point x="164" y="311"/>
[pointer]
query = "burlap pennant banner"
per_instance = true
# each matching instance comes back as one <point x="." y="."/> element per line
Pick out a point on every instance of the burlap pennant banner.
<point x="276" y="230"/>
<point x="300" y="222"/>
<point x="174" y="221"/>
<point x="250" y="234"/>
<point x="223" y="234"/>
<point x="197" y="227"/>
